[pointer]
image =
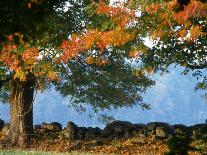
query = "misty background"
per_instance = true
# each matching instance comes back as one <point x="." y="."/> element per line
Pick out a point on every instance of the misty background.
<point x="173" y="100"/>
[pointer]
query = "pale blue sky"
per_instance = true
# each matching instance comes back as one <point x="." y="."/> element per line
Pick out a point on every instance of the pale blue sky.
<point x="172" y="99"/>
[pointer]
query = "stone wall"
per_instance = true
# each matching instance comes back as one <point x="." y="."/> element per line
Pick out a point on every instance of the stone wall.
<point x="117" y="130"/>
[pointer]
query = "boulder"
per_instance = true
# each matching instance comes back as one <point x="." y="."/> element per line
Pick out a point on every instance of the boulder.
<point x="118" y="129"/>
<point x="201" y="127"/>
<point x="82" y="131"/>
<point x="43" y="128"/>
<point x="163" y="129"/>
<point x="153" y="125"/>
<point x="140" y="130"/>
<point x="181" y="129"/>
<point x="64" y="134"/>
<point x="56" y="126"/>
<point x="1" y="124"/>
<point x="164" y="132"/>
<point x="51" y="127"/>
<point x="37" y="128"/>
<point x="139" y="126"/>
<point x="199" y="131"/>
<point x="142" y="134"/>
<point x="93" y="132"/>
<point x="72" y="130"/>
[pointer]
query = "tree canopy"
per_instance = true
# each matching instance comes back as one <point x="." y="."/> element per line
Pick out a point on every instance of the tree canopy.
<point x="92" y="65"/>
<point x="83" y="67"/>
<point x="178" y="31"/>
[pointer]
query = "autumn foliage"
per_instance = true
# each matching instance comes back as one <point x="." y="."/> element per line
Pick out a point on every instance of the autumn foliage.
<point x="19" y="58"/>
<point x="183" y="14"/>
<point x="22" y="58"/>
<point x="119" y="14"/>
<point x="93" y="38"/>
<point x="168" y="13"/>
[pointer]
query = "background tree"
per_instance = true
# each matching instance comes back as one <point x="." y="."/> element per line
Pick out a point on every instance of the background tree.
<point x="177" y="30"/>
<point x="31" y="57"/>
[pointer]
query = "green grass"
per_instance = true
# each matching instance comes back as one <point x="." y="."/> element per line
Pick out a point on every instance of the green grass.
<point x="39" y="153"/>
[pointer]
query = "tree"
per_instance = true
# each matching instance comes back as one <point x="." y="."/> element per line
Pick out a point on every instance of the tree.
<point x="27" y="30"/>
<point x="177" y="30"/>
<point x="84" y="66"/>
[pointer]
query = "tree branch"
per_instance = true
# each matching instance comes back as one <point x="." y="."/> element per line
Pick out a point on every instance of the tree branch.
<point x="201" y="66"/>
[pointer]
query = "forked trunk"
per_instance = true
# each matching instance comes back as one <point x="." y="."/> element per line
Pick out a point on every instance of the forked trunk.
<point x="21" y="111"/>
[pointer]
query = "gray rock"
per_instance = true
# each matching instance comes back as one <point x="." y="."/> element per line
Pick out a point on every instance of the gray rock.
<point x="139" y="126"/>
<point x="162" y="132"/>
<point x="57" y="126"/>
<point x="43" y="128"/>
<point x="198" y="131"/>
<point x="140" y="130"/>
<point x="72" y="130"/>
<point x="37" y="127"/>
<point x="43" y="123"/>
<point x="160" y="129"/>
<point x="51" y="127"/>
<point x="1" y="124"/>
<point x="181" y="129"/>
<point x="118" y="129"/>
<point x="39" y="130"/>
<point x="82" y="131"/>
<point x="153" y="125"/>
<point x="65" y="134"/>
<point x="201" y="127"/>
<point x="93" y="132"/>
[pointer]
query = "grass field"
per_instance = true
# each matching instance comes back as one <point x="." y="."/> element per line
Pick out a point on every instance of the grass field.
<point x="39" y="153"/>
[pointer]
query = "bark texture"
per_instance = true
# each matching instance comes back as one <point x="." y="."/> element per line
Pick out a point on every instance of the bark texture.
<point x="21" y="111"/>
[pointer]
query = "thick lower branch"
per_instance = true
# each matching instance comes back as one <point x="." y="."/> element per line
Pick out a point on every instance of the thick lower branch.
<point x="202" y="66"/>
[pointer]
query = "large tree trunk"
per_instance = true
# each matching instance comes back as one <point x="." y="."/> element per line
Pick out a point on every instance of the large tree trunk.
<point x="21" y="111"/>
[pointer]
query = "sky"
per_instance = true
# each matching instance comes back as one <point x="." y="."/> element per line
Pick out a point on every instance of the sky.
<point x="173" y="100"/>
